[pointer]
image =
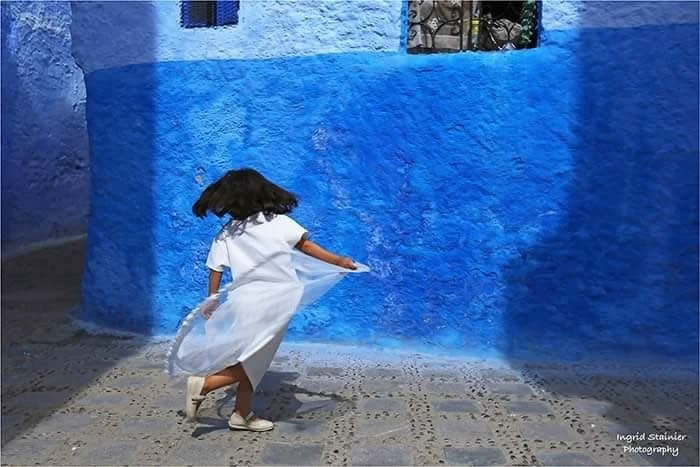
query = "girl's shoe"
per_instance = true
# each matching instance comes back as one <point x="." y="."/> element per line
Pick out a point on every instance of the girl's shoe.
<point x="193" y="397"/>
<point x="251" y="423"/>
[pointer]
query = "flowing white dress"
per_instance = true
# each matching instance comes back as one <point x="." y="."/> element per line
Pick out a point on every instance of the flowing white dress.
<point x="246" y="321"/>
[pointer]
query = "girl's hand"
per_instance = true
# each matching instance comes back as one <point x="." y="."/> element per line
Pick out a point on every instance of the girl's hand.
<point x="208" y="308"/>
<point x="346" y="263"/>
<point x="312" y="249"/>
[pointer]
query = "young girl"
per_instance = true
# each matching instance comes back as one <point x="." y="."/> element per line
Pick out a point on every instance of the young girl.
<point x="239" y="336"/>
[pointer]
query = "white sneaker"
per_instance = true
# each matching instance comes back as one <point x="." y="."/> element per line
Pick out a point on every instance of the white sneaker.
<point x="251" y="423"/>
<point x="193" y="396"/>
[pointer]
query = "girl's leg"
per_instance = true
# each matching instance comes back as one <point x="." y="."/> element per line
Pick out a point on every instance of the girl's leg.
<point x="230" y="375"/>
<point x="227" y="376"/>
<point x="244" y="396"/>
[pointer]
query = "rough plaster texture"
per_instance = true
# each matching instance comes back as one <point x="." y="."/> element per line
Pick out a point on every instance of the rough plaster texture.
<point x="144" y="32"/>
<point x="44" y="135"/>
<point x="539" y="201"/>
<point x="43" y="91"/>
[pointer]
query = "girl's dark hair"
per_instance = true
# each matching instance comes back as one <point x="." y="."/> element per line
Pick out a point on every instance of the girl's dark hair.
<point x="242" y="193"/>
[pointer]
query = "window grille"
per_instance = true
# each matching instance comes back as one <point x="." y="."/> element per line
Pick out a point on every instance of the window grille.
<point x="201" y="14"/>
<point x="461" y="25"/>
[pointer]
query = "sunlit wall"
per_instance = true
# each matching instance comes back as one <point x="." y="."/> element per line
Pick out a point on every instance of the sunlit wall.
<point x="533" y="203"/>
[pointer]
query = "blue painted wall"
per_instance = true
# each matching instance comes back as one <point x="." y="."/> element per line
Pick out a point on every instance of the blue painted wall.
<point x="44" y="135"/>
<point x="540" y="202"/>
<point x="108" y="34"/>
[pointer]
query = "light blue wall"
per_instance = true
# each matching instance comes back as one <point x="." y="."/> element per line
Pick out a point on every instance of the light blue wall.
<point x="540" y="202"/>
<point x="44" y="135"/>
<point x="110" y="34"/>
<point x="145" y="32"/>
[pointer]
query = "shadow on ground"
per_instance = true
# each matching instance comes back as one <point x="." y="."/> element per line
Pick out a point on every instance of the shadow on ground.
<point x="278" y="399"/>
<point x="46" y="360"/>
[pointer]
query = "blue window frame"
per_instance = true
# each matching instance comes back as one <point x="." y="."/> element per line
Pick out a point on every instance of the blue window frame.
<point x="202" y="14"/>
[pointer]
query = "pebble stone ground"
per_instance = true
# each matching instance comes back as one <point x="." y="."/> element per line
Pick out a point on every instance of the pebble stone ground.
<point x="74" y="398"/>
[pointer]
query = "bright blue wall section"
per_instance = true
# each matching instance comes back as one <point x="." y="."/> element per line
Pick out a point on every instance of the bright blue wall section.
<point x="541" y="201"/>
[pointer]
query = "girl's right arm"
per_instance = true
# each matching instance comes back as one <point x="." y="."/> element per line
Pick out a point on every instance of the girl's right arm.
<point x="214" y="281"/>
<point x="312" y="249"/>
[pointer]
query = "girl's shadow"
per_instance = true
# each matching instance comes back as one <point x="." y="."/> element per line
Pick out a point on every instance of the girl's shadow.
<point x="275" y="399"/>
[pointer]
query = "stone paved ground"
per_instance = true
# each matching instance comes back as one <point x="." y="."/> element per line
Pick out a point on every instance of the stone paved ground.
<point x="73" y="398"/>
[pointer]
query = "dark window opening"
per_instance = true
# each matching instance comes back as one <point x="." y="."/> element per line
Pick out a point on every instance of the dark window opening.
<point x="201" y="14"/>
<point x="461" y="25"/>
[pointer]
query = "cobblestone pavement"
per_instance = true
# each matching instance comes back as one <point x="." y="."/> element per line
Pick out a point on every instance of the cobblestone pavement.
<point x="73" y="398"/>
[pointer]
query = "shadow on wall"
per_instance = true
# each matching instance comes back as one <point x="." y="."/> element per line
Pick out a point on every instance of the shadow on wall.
<point x="618" y="278"/>
<point x="9" y="76"/>
<point x="121" y="114"/>
<point x="44" y="139"/>
<point x="620" y="272"/>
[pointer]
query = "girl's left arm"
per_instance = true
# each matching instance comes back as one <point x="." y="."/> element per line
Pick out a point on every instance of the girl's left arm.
<point x="315" y="250"/>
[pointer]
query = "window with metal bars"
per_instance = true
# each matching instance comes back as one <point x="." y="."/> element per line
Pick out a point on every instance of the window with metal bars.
<point x="463" y="25"/>
<point x="202" y="14"/>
